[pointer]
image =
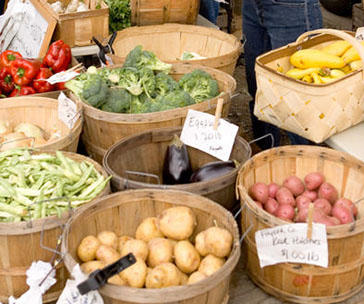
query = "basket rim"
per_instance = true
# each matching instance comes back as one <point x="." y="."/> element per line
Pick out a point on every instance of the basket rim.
<point x="169" y="293"/>
<point x="186" y="186"/>
<point x="272" y="221"/>
<point x="184" y="28"/>
<point x="49" y="222"/>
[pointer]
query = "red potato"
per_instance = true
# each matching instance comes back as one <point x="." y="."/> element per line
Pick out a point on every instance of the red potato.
<point x="313" y="180"/>
<point x="302" y="201"/>
<point x="335" y="220"/>
<point x="285" y="196"/>
<point x="272" y="189"/>
<point x="294" y="184"/>
<point x="271" y="205"/>
<point x="312" y="195"/>
<point x="301" y="215"/>
<point x="324" y="205"/>
<point x="259" y="204"/>
<point x="285" y="212"/>
<point x="326" y="220"/>
<point x="259" y="192"/>
<point x="343" y="214"/>
<point x="328" y="192"/>
<point x="348" y="204"/>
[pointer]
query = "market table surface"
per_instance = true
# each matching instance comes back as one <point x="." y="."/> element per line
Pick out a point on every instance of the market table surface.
<point x="350" y="141"/>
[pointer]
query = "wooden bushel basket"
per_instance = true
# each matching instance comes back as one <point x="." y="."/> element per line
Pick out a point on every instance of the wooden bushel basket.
<point x="169" y="41"/>
<point x="102" y="129"/>
<point x="145" y="152"/>
<point x="313" y="111"/>
<point x="20" y="245"/>
<point x="164" y="11"/>
<point x="302" y="283"/>
<point x="122" y="212"/>
<point x="43" y="112"/>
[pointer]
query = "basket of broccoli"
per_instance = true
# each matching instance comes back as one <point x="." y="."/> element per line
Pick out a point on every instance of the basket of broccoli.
<point x="144" y="93"/>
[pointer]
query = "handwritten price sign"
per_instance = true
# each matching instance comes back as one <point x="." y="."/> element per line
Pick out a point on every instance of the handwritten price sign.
<point x="288" y="243"/>
<point x="67" y="110"/>
<point x="198" y="132"/>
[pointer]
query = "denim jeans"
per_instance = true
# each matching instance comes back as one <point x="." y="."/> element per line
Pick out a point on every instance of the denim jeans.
<point x="209" y="9"/>
<point x="267" y="25"/>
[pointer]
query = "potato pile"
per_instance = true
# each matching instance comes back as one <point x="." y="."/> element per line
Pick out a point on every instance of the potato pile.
<point x="164" y="252"/>
<point x="291" y="200"/>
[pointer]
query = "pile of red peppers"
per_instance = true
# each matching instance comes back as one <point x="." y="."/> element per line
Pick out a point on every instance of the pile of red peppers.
<point x="22" y="76"/>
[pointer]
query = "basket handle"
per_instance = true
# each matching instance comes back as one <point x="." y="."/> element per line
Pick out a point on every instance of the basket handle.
<point x="341" y="34"/>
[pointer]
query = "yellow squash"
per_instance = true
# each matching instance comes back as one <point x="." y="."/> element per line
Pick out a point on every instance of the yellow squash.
<point x="355" y="65"/>
<point x="335" y="73"/>
<point x="337" y="48"/>
<point x="311" y="58"/>
<point x="299" y="73"/>
<point x="316" y="78"/>
<point x="351" y="54"/>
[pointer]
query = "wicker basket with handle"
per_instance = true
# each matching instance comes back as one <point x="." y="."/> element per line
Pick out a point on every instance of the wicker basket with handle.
<point x="314" y="111"/>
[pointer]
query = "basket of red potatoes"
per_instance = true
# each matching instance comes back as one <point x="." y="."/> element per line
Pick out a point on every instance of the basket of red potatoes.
<point x="290" y="200"/>
<point x="276" y="187"/>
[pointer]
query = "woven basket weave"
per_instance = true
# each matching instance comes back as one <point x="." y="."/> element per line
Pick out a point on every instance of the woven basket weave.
<point x="314" y="111"/>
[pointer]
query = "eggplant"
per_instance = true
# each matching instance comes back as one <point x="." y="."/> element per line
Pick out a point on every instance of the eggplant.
<point x="212" y="170"/>
<point x="177" y="167"/>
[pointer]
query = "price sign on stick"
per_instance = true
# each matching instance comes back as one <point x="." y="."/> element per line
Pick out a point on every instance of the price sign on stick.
<point x="289" y="243"/>
<point x="67" y="110"/>
<point x="199" y="132"/>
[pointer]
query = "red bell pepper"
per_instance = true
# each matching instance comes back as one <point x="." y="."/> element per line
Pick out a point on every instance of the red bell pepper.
<point x="61" y="86"/>
<point x="7" y="57"/>
<point x="21" y="91"/>
<point x="24" y="70"/>
<point x="42" y="86"/>
<point x="6" y="81"/>
<point x="58" y="56"/>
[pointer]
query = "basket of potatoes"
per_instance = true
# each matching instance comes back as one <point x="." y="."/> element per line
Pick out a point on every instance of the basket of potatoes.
<point x="186" y="246"/>
<point x="313" y="87"/>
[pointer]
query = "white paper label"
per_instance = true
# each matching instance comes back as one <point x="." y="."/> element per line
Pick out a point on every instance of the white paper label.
<point x="67" y="110"/>
<point x="359" y="34"/>
<point x="198" y="132"/>
<point x="289" y="243"/>
<point x="62" y="77"/>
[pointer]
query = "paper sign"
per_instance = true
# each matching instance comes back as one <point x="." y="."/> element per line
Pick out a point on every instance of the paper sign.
<point x="289" y="243"/>
<point x="359" y="34"/>
<point x="67" y="110"/>
<point x="198" y="132"/>
<point x="61" y="77"/>
<point x="71" y="295"/>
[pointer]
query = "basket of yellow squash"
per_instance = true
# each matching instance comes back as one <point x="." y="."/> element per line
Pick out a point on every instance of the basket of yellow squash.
<point x="313" y="87"/>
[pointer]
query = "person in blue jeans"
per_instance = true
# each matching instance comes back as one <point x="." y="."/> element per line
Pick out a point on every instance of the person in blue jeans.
<point x="267" y="25"/>
<point x="209" y="9"/>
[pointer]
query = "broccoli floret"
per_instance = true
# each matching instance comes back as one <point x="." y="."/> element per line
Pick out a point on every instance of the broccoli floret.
<point x="90" y="88"/>
<point x="128" y="79"/>
<point x="104" y="73"/>
<point x="173" y="100"/>
<point x="136" y="106"/>
<point x="118" y="101"/>
<point x="138" y="58"/>
<point x="147" y="80"/>
<point x="200" y="85"/>
<point x="165" y="84"/>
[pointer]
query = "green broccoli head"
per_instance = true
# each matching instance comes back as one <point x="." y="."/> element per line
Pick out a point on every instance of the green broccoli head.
<point x="90" y="88"/>
<point x="137" y="105"/>
<point x="173" y="100"/>
<point x="118" y="101"/>
<point x="104" y="73"/>
<point x="138" y="58"/>
<point x="200" y="85"/>
<point x="165" y="84"/>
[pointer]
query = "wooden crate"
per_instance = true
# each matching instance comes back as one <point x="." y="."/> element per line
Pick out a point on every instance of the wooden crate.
<point x="358" y="16"/>
<point x="77" y="29"/>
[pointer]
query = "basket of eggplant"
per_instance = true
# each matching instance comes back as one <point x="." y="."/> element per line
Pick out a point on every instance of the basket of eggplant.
<point x="159" y="159"/>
